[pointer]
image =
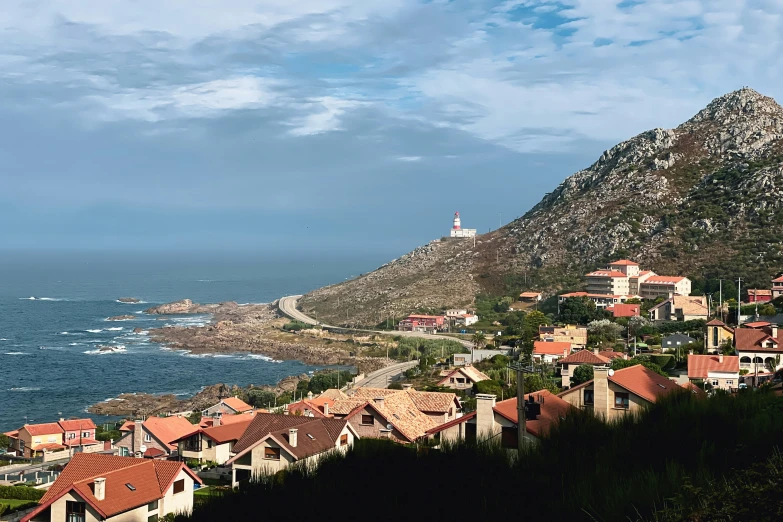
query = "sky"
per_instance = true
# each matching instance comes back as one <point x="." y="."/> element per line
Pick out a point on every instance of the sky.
<point x="346" y="125"/>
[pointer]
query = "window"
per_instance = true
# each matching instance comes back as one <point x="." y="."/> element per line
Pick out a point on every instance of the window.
<point x="729" y="382"/>
<point x="124" y="452"/>
<point x="53" y="438"/>
<point x="272" y="453"/>
<point x="621" y="400"/>
<point x="75" y="511"/>
<point x="179" y="486"/>
<point x="152" y="506"/>
<point x="589" y="398"/>
<point x="368" y="420"/>
<point x="86" y="435"/>
<point x="71" y="436"/>
<point x="147" y="437"/>
<point x="344" y="440"/>
<point x="714" y="382"/>
<point x="152" y="518"/>
<point x="209" y="443"/>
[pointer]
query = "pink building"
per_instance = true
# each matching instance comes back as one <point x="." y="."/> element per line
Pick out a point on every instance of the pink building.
<point x="422" y="323"/>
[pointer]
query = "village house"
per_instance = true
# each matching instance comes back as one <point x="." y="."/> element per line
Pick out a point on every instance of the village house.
<point x="616" y="393"/>
<point x="222" y="420"/>
<point x="600" y="300"/>
<point x="462" y="378"/>
<point x="76" y="435"/>
<point x="152" y="438"/>
<point x="717" y="336"/>
<point x="455" y="312"/>
<point x="227" y="406"/>
<point x="624" y="310"/>
<point x="759" y="349"/>
<point x="543" y="411"/>
<point x="530" y="297"/>
<point x="777" y="287"/>
<point x="465" y="320"/>
<point x="680" y="308"/>
<point x="571" y="362"/>
<point x="672" y="342"/>
<point x="214" y="444"/>
<point x="316" y="406"/>
<point x="439" y="406"/>
<point x="576" y="336"/>
<point x="719" y="371"/>
<point x="422" y="323"/>
<point x="623" y="278"/>
<point x="96" y="487"/>
<point x="549" y="352"/>
<point x="475" y="356"/>
<point x="273" y="442"/>
<point x="756" y="295"/>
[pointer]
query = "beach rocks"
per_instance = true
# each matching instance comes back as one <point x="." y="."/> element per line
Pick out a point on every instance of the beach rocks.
<point x="185" y="306"/>
<point x="128" y="300"/>
<point x="121" y="318"/>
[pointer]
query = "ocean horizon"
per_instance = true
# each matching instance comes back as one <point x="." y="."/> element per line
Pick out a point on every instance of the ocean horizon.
<point x="54" y="306"/>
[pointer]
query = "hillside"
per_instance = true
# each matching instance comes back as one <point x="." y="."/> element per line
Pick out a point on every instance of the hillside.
<point x="704" y="199"/>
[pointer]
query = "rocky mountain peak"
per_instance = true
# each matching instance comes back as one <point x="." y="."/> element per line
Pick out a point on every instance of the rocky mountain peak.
<point x="742" y="104"/>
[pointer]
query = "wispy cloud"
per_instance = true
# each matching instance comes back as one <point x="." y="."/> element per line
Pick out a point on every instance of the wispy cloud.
<point x="322" y="115"/>
<point x="409" y="159"/>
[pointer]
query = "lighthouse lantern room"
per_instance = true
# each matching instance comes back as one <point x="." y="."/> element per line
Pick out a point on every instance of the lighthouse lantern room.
<point x="458" y="231"/>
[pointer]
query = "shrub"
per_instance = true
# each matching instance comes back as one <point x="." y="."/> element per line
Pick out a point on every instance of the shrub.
<point x="665" y="361"/>
<point x="582" y="374"/>
<point x="21" y="493"/>
<point x="295" y="326"/>
<point x="488" y="386"/>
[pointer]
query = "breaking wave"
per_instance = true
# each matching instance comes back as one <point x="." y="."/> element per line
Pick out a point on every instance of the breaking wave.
<point x="24" y="389"/>
<point x="115" y="329"/>
<point x="32" y="298"/>
<point x="17" y="353"/>
<point x="95" y="330"/>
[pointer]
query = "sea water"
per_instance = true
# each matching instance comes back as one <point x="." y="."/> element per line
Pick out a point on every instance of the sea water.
<point x="54" y="306"/>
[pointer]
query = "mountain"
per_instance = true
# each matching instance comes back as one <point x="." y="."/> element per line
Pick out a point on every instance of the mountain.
<point x="704" y="200"/>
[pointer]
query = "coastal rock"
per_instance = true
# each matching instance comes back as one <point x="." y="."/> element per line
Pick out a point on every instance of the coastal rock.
<point x="184" y="306"/>
<point x="138" y="330"/>
<point x="121" y="318"/>
<point x="128" y="300"/>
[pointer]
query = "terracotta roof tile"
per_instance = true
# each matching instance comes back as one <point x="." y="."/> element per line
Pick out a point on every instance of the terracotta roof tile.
<point x="550" y="348"/>
<point x="700" y="365"/>
<point x="469" y="372"/>
<point x="306" y="406"/>
<point x="553" y="408"/>
<point x="48" y="428"/>
<point x="265" y="423"/>
<point x="168" y="429"/>
<point x="612" y="355"/>
<point x="606" y="273"/>
<point x="584" y="357"/>
<point x="643" y="382"/>
<point x="625" y="310"/>
<point x="663" y="280"/>
<point x="223" y="433"/>
<point x="778" y="280"/>
<point x="624" y="262"/>
<point x="346" y="406"/>
<point x="49" y="446"/>
<point x="753" y="339"/>
<point x="453" y="422"/>
<point x="334" y="394"/>
<point x="530" y="294"/>
<point x="694" y="389"/>
<point x="77" y="424"/>
<point x="237" y="404"/>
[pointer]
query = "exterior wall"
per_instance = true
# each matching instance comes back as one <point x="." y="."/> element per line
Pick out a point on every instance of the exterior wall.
<point x="576" y="399"/>
<point x="127" y="442"/>
<point x="547" y="358"/>
<point x="777" y="290"/>
<point x="34" y="440"/>
<point x="50" y="456"/>
<point x="455" y="384"/>
<point x="218" y="408"/>
<point x="181" y="502"/>
<point x="375" y="431"/>
<point x="57" y="509"/>
<point x="576" y="336"/>
<point x="74" y="434"/>
<point x="723" y="380"/>
<point x="751" y="366"/>
<point x="716" y="336"/>
<point x="608" y="285"/>
<point x="485" y="424"/>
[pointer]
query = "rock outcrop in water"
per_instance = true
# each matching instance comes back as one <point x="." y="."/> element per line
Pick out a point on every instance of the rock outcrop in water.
<point x="129" y="300"/>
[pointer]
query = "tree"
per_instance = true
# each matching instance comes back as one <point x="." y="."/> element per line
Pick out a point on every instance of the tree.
<point x="4" y="441"/>
<point x="576" y="310"/>
<point x="582" y="374"/>
<point x="767" y="310"/>
<point x="532" y="321"/>
<point x="261" y="398"/>
<point x="603" y="330"/>
<point x="535" y="382"/>
<point x="488" y="386"/>
<point x="194" y="417"/>
<point x="479" y="340"/>
<point x="772" y="365"/>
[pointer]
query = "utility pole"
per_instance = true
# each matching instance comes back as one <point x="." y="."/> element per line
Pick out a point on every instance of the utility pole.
<point x="500" y="221"/>
<point x="521" y="425"/>
<point x="739" y="301"/>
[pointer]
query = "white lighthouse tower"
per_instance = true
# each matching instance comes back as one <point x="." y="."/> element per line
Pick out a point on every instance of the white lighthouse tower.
<point x="458" y="231"/>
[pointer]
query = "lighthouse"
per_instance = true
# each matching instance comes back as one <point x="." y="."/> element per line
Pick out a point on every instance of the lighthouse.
<point x="459" y="232"/>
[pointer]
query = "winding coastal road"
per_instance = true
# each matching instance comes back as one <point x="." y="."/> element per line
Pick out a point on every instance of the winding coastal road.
<point x="380" y="378"/>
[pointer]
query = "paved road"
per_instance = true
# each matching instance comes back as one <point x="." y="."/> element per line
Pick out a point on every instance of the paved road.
<point x="287" y="306"/>
<point x="381" y="378"/>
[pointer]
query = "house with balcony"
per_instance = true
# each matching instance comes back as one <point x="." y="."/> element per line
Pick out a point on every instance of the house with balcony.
<point x="613" y="394"/>
<point x="77" y="435"/>
<point x="213" y="444"/>
<point x="274" y="442"/>
<point x="422" y="323"/>
<point x="680" y="308"/>
<point x="759" y="349"/>
<point x="95" y="487"/>
<point x="664" y="286"/>
<point x="550" y="352"/>
<point x="720" y="371"/>
<point x="576" y="336"/>
<point x="153" y="438"/>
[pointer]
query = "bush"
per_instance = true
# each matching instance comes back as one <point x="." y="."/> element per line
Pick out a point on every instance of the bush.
<point x="582" y="374"/>
<point x="295" y="326"/>
<point x="21" y="493"/>
<point x="665" y="361"/>
<point x="488" y="386"/>
<point x="261" y="398"/>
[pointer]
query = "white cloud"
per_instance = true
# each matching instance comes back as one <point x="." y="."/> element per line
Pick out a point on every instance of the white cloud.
<point x="409" y="159"/>
<point x="323" y="115"/>
<point x="195" y="100"/>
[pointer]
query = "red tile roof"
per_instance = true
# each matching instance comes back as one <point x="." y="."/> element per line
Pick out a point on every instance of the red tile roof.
<point x="530" y="294"/>
<point x="753" y="339"/>
<point x="694" y="389"/>
<point x="756" y="324"/>
<point x="43" y="429"/>
<point x="150" y="479"/>
<point x="82" y="442"/>
<point x="606" y="273"/>
<point x="700" y="365"/>
<point x="718" y="322"/>
<point x="584" y="357"/>
<point x="77" y="424"/>
<point x="553" y="408"/>
<point x="165" y="429"/>
<point x="625" y="310"/>
<point x="778" y="280"/>
<point x="643" y="382"/>
<point x="307" y="405"/>
<point x="663" y="280"/>
<point x="550" y="348"/>
<point x="236" y="404"/>
<point x="151" y="453"/>
<point x="624" y="262"/>
<point x="612" y="355"/>
<point x="49" y="446"/>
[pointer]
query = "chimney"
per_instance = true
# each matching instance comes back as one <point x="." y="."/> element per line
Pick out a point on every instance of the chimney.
<point x="774" y="328"/>
<point x="326" y="409"/>
<point x="216" y="420"/>
<point x="601" y="392"/>
<point x="61" y="419"/>
<point x="309" y="396"/>
<point x="720" y="358"/>
<point x="99" y="488"/>
<point x="408" y="386"/>
<point x="379" y="401"/>
<point x="565" y="352"/>
<point x="595" y="351"/>
<point x="293" y="438"/>
<point x="485" y="416"/>
<point x="138" y="436"/>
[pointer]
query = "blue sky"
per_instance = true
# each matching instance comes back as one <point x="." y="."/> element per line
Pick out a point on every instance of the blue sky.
<point x="338" y="124"/>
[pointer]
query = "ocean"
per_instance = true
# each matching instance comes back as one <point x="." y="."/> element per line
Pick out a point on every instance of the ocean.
<point x="54" y="305"/>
